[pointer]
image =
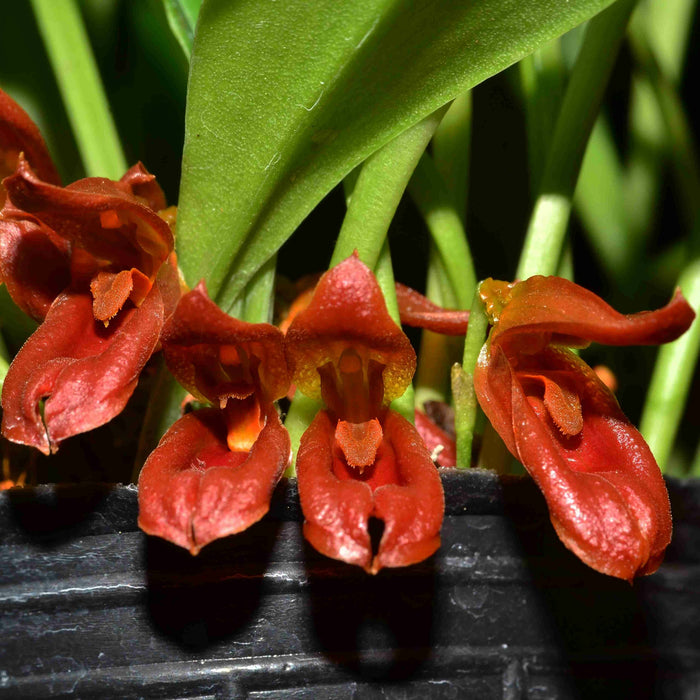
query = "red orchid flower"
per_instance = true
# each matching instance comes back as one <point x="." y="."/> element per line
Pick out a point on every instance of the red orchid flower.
<point x="414" y="310"/>
<point x="214" y="471"/>
<point x="606" y="496"/>
<point x="359" y="459"/>
<point x="93" y="262"/>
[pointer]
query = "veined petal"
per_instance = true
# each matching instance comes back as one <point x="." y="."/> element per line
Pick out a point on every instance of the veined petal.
<point x="19" y="134"/>
<point x="193" y="489"/>
<point x="402" y="489"/>
<point x="417" y="310"/>
<point x="215" y="356"/>
<point x="540" y="310"/>
<point x="605" y="493"/>
<point x="84" y="371"/>
<point x="348" y="311"/>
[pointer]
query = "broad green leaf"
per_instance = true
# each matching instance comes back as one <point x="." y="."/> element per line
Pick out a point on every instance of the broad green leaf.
<point x="286" y="98"/>
<point x="182" y="18"/>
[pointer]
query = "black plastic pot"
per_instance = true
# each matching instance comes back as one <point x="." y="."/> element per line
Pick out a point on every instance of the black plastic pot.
<point x="91" y="607"/>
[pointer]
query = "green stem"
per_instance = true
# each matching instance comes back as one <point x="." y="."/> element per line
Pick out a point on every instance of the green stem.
<point x="672" y="377"/>
<point x="579" y="110"/>
<point x="466" y="405"/>
<point x="566" y="263"/>
<point x="442" y="198"/>
<point x="301" y="412"/>
<point x="668" y="25"/>
<point x="378" y="191"/>
<point x="442" y="218"/>
<point x="451" y="151"/>
<point x="69" y="50"/>
<point x="259" y="293"/>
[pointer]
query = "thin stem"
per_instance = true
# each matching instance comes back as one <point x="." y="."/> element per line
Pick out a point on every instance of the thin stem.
<point x="566" y="263"/>
<point x="672" y="377"/>
<point x="579" y="110"/>
<point x="442" y="199"/>
<point x="669" y="25"/>
<point x="69" y="50"/>
<point x="378" y="191"/>
<point x="442" y="218"/>
<point x="466" y="405"/>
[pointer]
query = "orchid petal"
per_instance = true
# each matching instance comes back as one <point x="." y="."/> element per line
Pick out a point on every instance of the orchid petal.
<point x="193" y="489"/>
<point x="417" y="310"/>
<point x="144" y="186"/>
<point x="34" y="261"/>
<point x="440" y="445"/>
<point x="215" y="356"/>
<point x="412" y="509"/>
<point x="19" y="134"/>
<point x="100" y="216"/>
<point x="402" y="488"/>
<point x="348" y="311"/>
<point x="84" y="371"/>
<point x="606" y="496"/>
<point x="553" y="309"/>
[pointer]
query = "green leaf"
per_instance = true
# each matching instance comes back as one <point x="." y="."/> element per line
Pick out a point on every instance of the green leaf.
<point x="286" y="98"/>
<point x="672" y="378"/>
<point x="67" y="43"/>
<point x="182" y="18"/>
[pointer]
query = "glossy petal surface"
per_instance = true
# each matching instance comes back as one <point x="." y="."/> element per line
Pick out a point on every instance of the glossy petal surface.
<point x="606" y="496"/>
<point x="348" y="311"/>
<point x="193" y="489"/>
<point x="103" y="218"/>
<point x="552" y="309"/>
<point x="84" y="372"/>
<point x="402" y="488"/>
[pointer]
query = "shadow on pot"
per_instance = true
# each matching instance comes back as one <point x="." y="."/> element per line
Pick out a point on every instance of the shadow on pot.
<point x="378" y="628"/>
<point x="200" y="601"/>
